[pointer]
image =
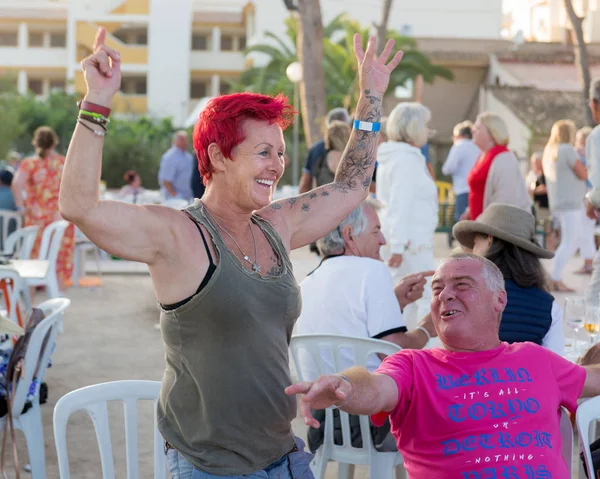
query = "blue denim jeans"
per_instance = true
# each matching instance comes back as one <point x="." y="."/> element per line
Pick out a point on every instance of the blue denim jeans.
<point x="460" y="205"/>
<point x="294" y="465"/>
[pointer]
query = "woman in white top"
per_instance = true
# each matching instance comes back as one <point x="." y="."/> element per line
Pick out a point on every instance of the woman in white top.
<point x="565" y="180"/>
<point x="409" y="195"/>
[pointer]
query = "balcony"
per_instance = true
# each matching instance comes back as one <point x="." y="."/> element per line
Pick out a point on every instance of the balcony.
<point x="210" y="61"/>
<point x="14" y="57"/>
<point x="122" y="103"/>
<point x="133" y="54"/>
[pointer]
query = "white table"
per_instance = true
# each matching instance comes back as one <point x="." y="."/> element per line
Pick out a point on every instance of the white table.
<point x="28" y="268"/>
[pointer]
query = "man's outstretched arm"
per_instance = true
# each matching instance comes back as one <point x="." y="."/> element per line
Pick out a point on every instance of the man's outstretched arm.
<point x="362" y="393"/>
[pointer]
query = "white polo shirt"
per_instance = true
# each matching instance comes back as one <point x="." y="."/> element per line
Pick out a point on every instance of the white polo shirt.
<point x="349" y="296"/>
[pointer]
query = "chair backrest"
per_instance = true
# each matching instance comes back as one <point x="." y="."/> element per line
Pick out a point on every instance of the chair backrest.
<point x="588" y="412"/>
<point x="9" y="221"/>
<point x="20" y="243"/>
<point x="51" y="239"/>
<point x="93" y="400"/>
<point x="566" y="435"/>
<point x="13" y="291"/>
<point x="331" y="354"/>
<point x="36" y="355"/>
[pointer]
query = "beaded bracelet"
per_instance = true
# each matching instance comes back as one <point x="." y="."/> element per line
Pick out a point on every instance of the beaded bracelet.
<point x="98" y="116"/>
<point x="95" y="132"/>
<point x="96" y="121"/>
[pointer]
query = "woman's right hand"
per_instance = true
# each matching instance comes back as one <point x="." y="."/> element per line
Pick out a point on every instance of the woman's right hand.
<point x="102" y="71"/>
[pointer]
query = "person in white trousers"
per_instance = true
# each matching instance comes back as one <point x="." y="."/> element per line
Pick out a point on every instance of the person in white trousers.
<point x="410" y="198"/>
<point x="592" y="202"/>
<point x="565" y="180"/>
<point x="587" y="247"/>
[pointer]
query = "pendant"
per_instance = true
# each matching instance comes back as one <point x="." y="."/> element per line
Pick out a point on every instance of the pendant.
<point x="255" y="268"/>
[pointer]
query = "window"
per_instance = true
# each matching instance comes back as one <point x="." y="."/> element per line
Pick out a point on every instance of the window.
<point x="226" y="43"/>
<point x="199" y="41"/>
<point x="225" y="88"/>
<point x="36" y="39"/>
<point x="8" y="39"/>
<point x="141" y="39"/>
<point x="242" y="43"/>
<point x="57" y="85"/>
<point x="134" y="86"/>
<point x="36" y="86"/>
<point x="58" y="40"/>
<point x="198" y="89"/>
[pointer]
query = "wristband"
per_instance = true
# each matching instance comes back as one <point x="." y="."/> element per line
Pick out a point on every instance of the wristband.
<point x="366" y="126"/>
<point x="421" y="328"/>
<point x="94" y="108"/>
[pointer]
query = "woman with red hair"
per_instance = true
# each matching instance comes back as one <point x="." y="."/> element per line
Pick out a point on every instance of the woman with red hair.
<point x="221" y="268"/>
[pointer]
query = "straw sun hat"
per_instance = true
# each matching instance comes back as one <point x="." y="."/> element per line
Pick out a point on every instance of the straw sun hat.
<point x="506" y="222"/>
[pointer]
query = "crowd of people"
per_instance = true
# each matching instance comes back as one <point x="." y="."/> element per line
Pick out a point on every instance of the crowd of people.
<point x="484" y="404"/>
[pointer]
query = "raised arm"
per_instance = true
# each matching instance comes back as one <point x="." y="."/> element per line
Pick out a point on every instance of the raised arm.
<point x="132" y="232"/>
<point x="311" y="215"/>
<point x="355" y="391"/>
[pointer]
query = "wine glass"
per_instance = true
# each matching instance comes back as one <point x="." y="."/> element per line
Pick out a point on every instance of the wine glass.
<point x="575" y="315"/>
<point x="592" y="323"/>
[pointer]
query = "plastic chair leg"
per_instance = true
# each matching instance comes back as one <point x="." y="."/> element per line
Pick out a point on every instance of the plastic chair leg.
<point x="318" y="466"/>
<point x="345" y="471"/>
<point x="382" y="467"/>
<point x="31" y="423"/>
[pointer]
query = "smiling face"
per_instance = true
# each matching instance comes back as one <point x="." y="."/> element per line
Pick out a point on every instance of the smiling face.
<point x="465" y="312"/>
<point x="367" y="243"/>
<point x="256" y="164"/>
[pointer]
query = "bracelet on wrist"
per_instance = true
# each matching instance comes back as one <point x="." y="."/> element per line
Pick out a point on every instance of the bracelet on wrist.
<point x="94" y="108"/>
<point x="367" y="125"/>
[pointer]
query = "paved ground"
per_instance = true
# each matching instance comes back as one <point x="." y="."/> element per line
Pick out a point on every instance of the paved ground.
<point x="110" y="335"/>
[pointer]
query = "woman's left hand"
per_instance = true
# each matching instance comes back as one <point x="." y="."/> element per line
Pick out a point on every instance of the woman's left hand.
<point x="373" y="72"/>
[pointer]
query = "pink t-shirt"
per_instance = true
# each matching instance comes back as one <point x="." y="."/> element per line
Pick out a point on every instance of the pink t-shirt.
<point x="491" y="414"/>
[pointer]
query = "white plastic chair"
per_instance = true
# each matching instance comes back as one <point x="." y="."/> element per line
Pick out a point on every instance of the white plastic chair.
<point x="93" y="400"/>
<point x="566" y="436"/>
<point x="51" y="240"/>
<point x="588" y="412"/>
<point x="82" y="246"/>
<point x="19" y="243"/>
<point x="30" y="422"/>
<point x="338" y="350"/>
<point x="9" y="218"/>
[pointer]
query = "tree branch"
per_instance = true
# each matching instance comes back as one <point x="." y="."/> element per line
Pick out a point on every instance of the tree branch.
<point x="581" y="58"/>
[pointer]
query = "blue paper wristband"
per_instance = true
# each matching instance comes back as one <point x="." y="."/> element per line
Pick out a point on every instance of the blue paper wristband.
<point x="366" y="125"/>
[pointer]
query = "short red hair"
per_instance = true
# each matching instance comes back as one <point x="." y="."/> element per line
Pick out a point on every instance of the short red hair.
<point x="220" y="122"/>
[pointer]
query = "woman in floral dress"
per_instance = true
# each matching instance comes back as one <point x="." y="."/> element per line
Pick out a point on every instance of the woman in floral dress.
<point x="39" y="178"/>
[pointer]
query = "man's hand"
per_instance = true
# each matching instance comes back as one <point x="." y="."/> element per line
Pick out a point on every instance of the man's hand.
<point x="410" y="288"/>
<point x="395" y="261"/>
<point x="325" y="392"/>
<point x="590" y="210"/>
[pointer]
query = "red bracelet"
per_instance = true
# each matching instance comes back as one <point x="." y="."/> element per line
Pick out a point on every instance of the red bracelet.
<point x="94" y="108"/>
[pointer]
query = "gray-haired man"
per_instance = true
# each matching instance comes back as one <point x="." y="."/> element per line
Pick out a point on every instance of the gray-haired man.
<point x="592" y="154"/>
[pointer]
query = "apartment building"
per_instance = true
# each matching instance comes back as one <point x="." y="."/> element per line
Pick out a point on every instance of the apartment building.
<point x="547" y="20"/>
<point x="173" y="53"/>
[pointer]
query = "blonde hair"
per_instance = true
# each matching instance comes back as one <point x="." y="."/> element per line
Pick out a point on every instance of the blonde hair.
<point x="337" y="135"/>
<point x="408" y="123"/>
<point x="563" y="131"/>
<point x="496" y="126"/>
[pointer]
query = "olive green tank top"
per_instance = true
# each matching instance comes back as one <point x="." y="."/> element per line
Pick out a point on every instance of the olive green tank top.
<point x="222" y="403"/>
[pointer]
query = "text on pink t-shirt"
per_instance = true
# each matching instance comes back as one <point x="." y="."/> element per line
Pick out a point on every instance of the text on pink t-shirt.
<point x="486" y="415"/>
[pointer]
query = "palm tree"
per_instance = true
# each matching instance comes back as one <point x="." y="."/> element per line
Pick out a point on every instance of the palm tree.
<point x="339" y="63"/>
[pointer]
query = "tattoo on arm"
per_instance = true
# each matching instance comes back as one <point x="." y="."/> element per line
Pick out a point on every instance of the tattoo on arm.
<point x="355" y="169"/>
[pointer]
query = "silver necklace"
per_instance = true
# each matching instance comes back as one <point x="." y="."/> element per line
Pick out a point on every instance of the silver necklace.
<point x="255" y="266"/>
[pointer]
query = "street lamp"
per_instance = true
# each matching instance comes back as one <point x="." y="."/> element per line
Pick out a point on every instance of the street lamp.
<point x="294" y="74"/>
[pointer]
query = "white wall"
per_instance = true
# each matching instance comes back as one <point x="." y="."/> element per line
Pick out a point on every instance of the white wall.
<point x="169" y="32"/>
<point x="498" y="75"/>
<point x="220" y="61"/>
<point x="518" y="132"/>
<point x="34" y="57"/>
